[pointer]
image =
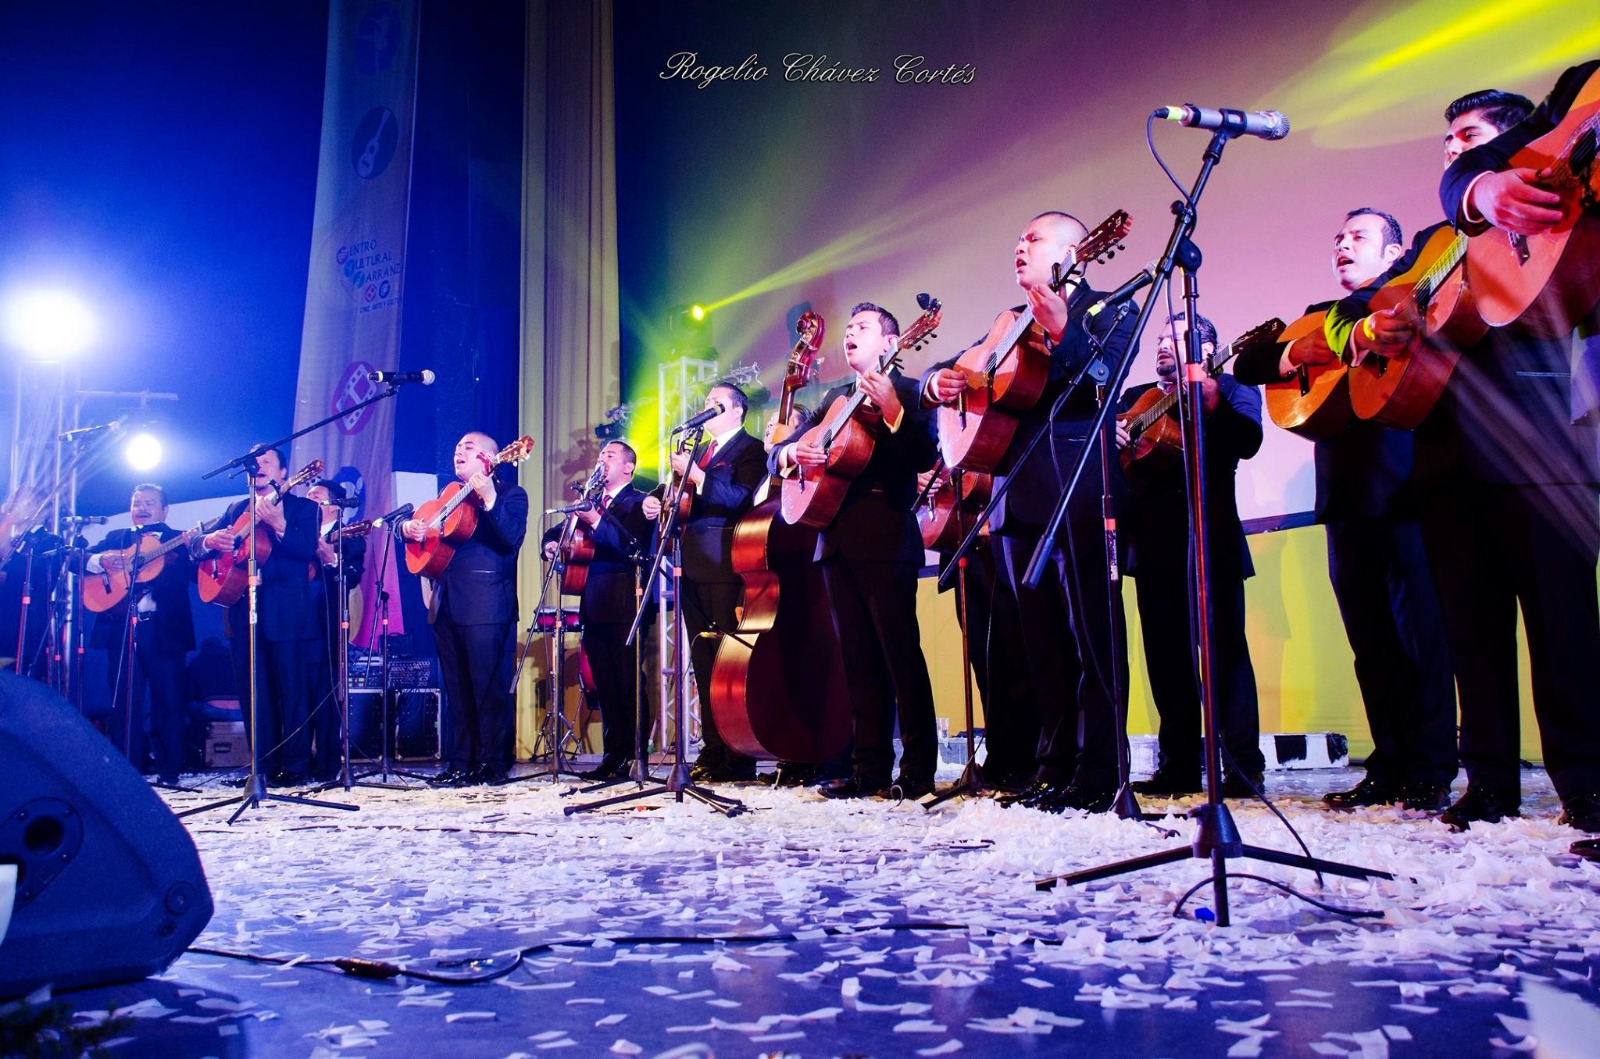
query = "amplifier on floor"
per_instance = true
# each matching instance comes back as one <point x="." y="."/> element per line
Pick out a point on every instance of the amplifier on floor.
<point x="413" y="723"/>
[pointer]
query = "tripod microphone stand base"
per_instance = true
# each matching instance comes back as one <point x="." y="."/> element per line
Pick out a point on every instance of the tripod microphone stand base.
<point x="1216" y="839"/>
<point x="971" y="782"/>
<point x="256" y="794"/>
<point x="677" y="783"/>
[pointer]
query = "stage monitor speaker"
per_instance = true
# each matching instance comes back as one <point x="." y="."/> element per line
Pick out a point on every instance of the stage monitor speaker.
<point x="109" y="886"/>
<point x="414" y="715"/>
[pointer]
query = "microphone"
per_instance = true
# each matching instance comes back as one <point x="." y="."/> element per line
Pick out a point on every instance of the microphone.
<point x="1138" y="283"/>
<point x="399" y="514"/>
<point x="1267" y="124"/>
<point x="88" y="520"/>
<point x="398" y="378"/>
<point x="699" y="420"/>
<point x="582" y="505"/>
<point x="345" y="502"/>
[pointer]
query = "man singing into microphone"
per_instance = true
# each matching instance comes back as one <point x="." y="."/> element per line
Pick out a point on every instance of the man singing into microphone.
<point x="476" y="623"/>
<point x="620" y="533"/>
<point x="722" y="474"/>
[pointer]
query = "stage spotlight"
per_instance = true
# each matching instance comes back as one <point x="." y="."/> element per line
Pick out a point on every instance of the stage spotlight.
<point x="143" y="451"/>
<point x="697" y="313"/>
<point x="49" y="324"/>
<point x="688" y="328"/>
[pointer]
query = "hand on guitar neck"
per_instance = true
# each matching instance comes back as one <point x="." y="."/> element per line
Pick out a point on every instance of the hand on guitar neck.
<point x="1516" y="200"/>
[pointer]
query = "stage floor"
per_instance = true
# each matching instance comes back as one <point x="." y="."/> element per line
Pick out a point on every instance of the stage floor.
<point x="860" y="929"/>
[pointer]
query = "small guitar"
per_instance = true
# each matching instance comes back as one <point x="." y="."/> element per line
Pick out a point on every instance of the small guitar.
<point x="1008" y="370"/>
<point x="1314" y="402"/>
<point x="121" y="568"/>
<point x="1399" y="391"/>
<point x="1546" y="283"/>
<point x="1155" y="437"/>
<point x="224" y="576"/>
<point x="936" y="508"/>
<point x="813" y="495"/>
<point x="452" y="518"/>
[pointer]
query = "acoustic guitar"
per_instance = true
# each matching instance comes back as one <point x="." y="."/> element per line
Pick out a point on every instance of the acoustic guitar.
<point x="224" y="576"/>
<point x="1155" y="438"/>
<point x="451" y="518"/>
<point x="140" y="562"/>
<point x="1314" y="402"/>
<point x="1008" y="370"/>
<point x="811" y="497"/>
<point x="938" y="505"/>
<point x="1400" y="390"/>
<point x="1546" y="283"/>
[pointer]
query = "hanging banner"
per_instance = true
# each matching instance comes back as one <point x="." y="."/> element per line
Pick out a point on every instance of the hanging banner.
<point x="353" y="296"/>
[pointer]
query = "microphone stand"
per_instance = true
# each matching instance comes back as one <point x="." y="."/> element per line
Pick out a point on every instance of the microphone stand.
<point x="668" y="537"/>
<point x="1216" y="836"/>
<point x="971" y="781"/>
<point x="388" y="735"/>
<point x="255" y="790"/>
<point x="555" y="730"/>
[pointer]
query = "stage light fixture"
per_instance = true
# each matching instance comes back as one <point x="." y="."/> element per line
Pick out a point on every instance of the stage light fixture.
<point x="49" y="324"/>
<point x="142" y="451"/>
<point x="697" y="313"/>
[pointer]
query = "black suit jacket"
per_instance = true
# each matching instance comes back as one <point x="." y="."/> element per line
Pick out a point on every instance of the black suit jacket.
<point x="174" y="621"/>
<point x="875" y="521"/>
<point x="290" y="592"/>
<point x="1363" y="471"/>
<point x="622" y="533"/>
<point x="1036" y="484"/>
<point x="354" y="550"/>
<point x="736" y="469"/>
<point x="479" y="587"/>
<point x="1157" y="518"/>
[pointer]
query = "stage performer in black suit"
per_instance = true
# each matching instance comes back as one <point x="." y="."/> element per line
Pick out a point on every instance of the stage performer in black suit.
<point x="286" y="631"/>
<point x="475" y="623"/>
<point x="1161" y="562"/>
<point x="328" y="749"/>
<point x="1376" y="561"/>
<point x="621" y="536"/>
<point x="870" y="554"/>
<point x="723" y="473"/>
<point x="1509" y="481"/>
<point x="1068" y="625"/>
<point x="163" y="634"/>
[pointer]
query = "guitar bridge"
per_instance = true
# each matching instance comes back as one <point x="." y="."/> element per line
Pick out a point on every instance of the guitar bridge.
<point x="1519" y="246"/>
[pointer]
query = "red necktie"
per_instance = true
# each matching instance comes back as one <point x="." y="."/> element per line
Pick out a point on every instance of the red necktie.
<point x="705" y="457"/>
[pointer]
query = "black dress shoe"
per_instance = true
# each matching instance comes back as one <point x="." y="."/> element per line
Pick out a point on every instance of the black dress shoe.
<point x="1027" y="794"/>
<point x="286" y="779"/>
<point x="909" y="789"/>
<point x="485" y="776"/>
<point x="854" y="787"/>
<point x="1368" y="792"/>
<point x="1078" y="796"/>
<point x="1243" y="784"/>
<point x="1169" y="782"/>
<point x="1425" y="797"/>
<point x="1582" y="812"/>
<point x="1587" y="848"/>
<point x="450" y="777"/>
<point x="1480" y="805"/>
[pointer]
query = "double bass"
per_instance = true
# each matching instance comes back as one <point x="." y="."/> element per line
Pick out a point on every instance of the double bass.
<point x="777" y="686"/>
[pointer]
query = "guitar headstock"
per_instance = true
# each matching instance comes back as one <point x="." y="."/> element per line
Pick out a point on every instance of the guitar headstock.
<point x="923" y="327"/>
<point x="358" y="529"/>
<point x="1100" y="245"/>
<point x="309" y="473"/>
<point x="1261" y="334"/>
<point x="517" y="451"/>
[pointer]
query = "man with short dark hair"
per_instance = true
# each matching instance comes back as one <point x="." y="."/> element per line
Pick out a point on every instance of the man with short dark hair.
<point x="870" y="554"/>
<point x="287" y="627"/>
<point x="1376" y="562"/>
<point x="475" y="625"/>
<point x="621" y="537"/>
<point x="1161" y="563"/>
<point x="721" y="474"/>
<point x="163" y="634"/>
